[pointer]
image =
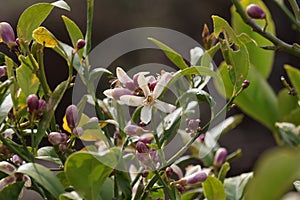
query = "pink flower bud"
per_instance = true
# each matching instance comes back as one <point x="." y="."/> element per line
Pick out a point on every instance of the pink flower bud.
<point x="72" y="116"/>
<point x="169" y="172"/>
<point x="56" y="138"/>
<point x="2" y="71"/>
<point x="133" y="130"/>
<point x="141" y="147"/>
<point x="255" y="12"/>
<point x="17" y="159"/>
<point x="80" y="44"/>
<point x="220" y="157"/>
<point x="78" y="131"/>
<point x="7" y="34"/>
<point x="245" y="84"/>
<point x="180" y="188"/>
<point x="145" y="173"/>
<point x="197" y="177"/>
<point x="63" y="147"/>
<point x="32" y="103"/>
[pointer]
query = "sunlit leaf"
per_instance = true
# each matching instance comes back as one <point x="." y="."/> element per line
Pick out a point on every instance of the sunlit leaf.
<point x="12" y="192"/>
<point x="44" y="37"/>
<point x="235" y="187"/>
<point x="213" y="189"/>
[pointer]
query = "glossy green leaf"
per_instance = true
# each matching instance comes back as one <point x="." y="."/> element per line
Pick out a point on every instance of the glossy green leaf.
<point x="288" y="133"/>
<point x="124" y="182"/>
<point x="39" y="12"/>
<point x="286" y="103"/>
<point x="12" y="192"/>
<point x="44" y="177"/>
<point x="275" y="173"/>
<point x="294" y="76"/>
<point x="235" y="187"/>
<point x="261" y="104"/>
<point x="87" y="172"/>
<point x="237" y="57"/>
<point x="213" y="189"/>
<point x="27" y="80"/>
<point x="261" y="59"/>
<point x="175" y="57"/>
<point x="107" y="190"/>
<point x="74" y="32"/>
<point x="53" y="102"/>
<point x="48" y="153"/>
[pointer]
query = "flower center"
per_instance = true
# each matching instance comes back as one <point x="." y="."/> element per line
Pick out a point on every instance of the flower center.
<point x="149" y="100"/>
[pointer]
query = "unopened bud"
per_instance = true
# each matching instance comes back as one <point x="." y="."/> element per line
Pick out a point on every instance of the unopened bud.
<point x="141" y="147"/>
<point x="72" y="116"/>
<point x="169" y="172"/>
<point x="255" y="12"/>
<point x="17" y="159"/>
<point x="63" y="147"/>
<point x="7" y="34"/>
<point x="78" y="131"/>
<point x="145" y="173"/>
<point x="197" y="177"/>
<point x="133" y="130"/>
<point x="180" y="188"/>
<point x="220" y="157"/>
<point x="80" y="44"/>
<point x="56" y="138"/>
<point x="32" y="102"/>
<point x="245" y="84"/>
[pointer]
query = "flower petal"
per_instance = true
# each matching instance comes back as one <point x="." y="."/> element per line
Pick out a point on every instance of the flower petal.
<point x="143" y="84"/>
<point x="131" y="100"/>
<point x="161" y="84"/>
<point x="164" y="107"/>
<point x="195" y="54"/>
<point x="146" y="114"/>
<point x="125" y="79"/>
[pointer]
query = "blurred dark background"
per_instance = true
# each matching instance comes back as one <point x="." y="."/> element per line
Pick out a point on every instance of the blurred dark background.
<point x="114" y="16"/>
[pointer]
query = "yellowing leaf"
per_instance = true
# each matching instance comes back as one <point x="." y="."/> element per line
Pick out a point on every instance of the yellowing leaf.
<point x="44" y="37"/>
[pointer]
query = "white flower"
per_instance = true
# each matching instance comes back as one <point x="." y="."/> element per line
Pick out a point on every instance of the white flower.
<point x="195" y="54"/>
<point x="150" y="98"/>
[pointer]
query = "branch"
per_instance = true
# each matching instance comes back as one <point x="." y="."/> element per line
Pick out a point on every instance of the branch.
<point x="280" y="45"/>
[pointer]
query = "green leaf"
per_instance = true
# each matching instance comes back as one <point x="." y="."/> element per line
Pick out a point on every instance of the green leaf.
<point x="48" y="153"/>
<point x="261" y="59"/>
<point x="44" y="177"/>
<point x="87" y="172"/>
<point x="237" y="59"/>
<point x="27" y="80"/>
<point x="235" y="187"/>
<point x="294" y="76"/>
<point x="286" y="103"/>
<point x="213" y="189"/>
<point x="261" y="104"/>
<point x="74" y="32"/>
<point x="289" y="133"/>
<point x="175" y="57"/>
<point x="12" y="192"/>
<point x="191" y="194"/>
<point x="94" y="75"/>
<point x="107" y="190"/>
<point x="124" y="182"/>
<point x="275" y="173"/>
<point x="223" y="171"/>
<point x="39" y="12"/>
<point x="52" y="103"/>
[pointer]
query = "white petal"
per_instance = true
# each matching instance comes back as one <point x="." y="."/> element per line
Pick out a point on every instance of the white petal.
<point x="131" y="100"/>
<point x="108" y="93"/>
<point x="164" y="107"/>
<point x="143" y="84"/>
<point x="195" y="54"/>
<point x="146" y="114"/>
<point x="161" y="84"/>
<point x="122" y="76"/>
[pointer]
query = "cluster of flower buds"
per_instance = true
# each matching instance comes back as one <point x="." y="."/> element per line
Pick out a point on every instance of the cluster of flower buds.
<point x="220" y="157"/>
<point x="193" y="126"/>
<point x="72" y="120"/>
<point x="149" y="158"/>
<point x="7" y="35"/>
<point x="35" y="106"/>
<point x="134" y="130"/>
<point x="60" y="139"/>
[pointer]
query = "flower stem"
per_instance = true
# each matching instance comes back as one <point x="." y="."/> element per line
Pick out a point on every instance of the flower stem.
<point x="295" y="8"/>
<point x="281" y="45"/>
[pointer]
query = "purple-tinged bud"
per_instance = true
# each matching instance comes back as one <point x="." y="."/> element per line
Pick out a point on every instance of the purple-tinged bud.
<point x="201" y="138"/>
<point x="78" y="131"/>
<point x="145" y="173"/>
<point x="144" y="140"/>
<point x="17" y="159"/>
<point x="141" y="147"/>
<point x="220" y="157"/>
<point x="2" y="71"/>
<point x="7" y="34"/>
<point x="180" y="188"/>
<point x="133" y="130"/>
<point x="154" y="155"/>
<point x="42" y="105"/>
<point x="7" y="168"/>
<point x="7" y="181"/>
<point x="197" y="177"/>
<point x="56" y="138"/>
<point x="93" y="120"/>
<point x="169" y="172"/>
<point x="72" y="116"/>
<point x="63" y="147"/>
<point x="117" y="135"/>
<point x="118" y="92"/>
<point x="245" y="84"/>
<point x="80" y="44"/>
<point x="255" y="12"/>
<point x="32" y="102"/>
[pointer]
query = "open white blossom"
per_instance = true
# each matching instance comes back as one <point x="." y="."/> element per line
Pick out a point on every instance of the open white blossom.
<point x="150" y="98"/>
